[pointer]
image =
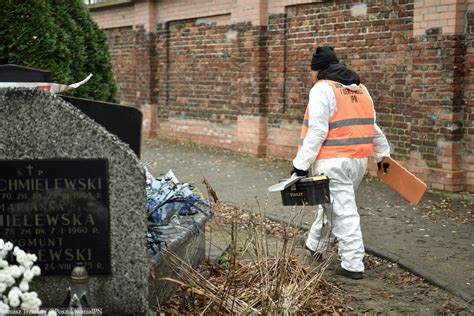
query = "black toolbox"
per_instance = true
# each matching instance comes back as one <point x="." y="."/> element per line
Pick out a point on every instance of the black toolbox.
<point x="307" y="191"/>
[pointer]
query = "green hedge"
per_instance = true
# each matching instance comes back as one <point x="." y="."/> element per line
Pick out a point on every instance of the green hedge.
<point x="59" y="36"/>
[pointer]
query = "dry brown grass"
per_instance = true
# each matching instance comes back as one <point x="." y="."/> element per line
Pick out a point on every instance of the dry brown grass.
<point x="260" y="273"/>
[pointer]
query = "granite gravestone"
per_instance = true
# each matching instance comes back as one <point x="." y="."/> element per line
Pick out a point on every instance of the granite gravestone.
<point x="60" y="171"/>
<point x="122" y="121"/>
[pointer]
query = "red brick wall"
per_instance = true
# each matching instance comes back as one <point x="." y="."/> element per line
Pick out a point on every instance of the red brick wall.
<point x="376" y="45"/>
<point x="448" y="15"/>
<point x="130" y="52"/>
<point x="209" y="80"/>
<point x="212" y="71"/>
<point x="236" y="76"/>
<point x="437" y="110"/>
<point x="468" y="117"/>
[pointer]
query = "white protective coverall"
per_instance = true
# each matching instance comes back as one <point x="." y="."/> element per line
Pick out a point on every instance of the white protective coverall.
<point x="345" y="175"/>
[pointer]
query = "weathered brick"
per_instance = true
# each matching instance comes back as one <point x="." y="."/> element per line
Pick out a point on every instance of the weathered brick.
<point x="438" y="186"/>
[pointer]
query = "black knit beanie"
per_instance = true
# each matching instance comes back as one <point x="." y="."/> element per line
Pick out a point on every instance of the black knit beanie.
<point x="323" y="57"/>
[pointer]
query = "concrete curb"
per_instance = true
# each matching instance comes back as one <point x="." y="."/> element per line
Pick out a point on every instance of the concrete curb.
<point x="417" y="270"/>
<point x="402" y="262"/>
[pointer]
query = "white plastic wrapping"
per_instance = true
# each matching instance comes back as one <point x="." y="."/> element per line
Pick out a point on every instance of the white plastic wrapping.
<point x="48" y="86"/>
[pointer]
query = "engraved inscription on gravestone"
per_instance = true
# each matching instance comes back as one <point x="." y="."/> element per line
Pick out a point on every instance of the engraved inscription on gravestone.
<point x="58" y="210"/>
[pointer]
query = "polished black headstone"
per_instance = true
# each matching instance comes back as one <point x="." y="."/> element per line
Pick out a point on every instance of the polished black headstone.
<point x="15" y="73"/>
<point x="58" y="210"/>
<point x="123" y="121"/>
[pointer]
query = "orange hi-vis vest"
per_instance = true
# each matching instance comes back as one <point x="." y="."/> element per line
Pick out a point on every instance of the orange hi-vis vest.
<point x="351" y="128"/>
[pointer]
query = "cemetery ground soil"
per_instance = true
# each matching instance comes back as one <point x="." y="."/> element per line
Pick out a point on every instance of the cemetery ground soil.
<point x="386" y="288"/>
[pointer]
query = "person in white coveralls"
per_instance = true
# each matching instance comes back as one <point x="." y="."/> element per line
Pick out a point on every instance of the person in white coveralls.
<point x="338" y="136"/>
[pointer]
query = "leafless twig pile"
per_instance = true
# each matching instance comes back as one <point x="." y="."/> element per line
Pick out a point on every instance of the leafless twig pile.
<point x="258" y="274"/>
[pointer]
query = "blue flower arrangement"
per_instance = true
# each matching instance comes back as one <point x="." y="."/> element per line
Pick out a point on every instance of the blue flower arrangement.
<point x="167" y="201"/>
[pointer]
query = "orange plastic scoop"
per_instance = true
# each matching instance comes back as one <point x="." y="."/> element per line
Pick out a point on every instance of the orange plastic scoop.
<point x="402" y="180"/>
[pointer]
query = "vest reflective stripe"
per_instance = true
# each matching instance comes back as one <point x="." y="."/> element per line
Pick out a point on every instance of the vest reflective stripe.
<point x="351" y="128"/>
<point x="348" y="122"/>
<point x="348" y="141"/>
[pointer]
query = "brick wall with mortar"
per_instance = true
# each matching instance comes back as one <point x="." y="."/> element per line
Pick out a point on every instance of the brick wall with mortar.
<point x="468" y="119"/>
<point x="449" y="15"/>
<point x="437" y="107"/>
<point x="440" y="100"/>
<point x="130" y="52"/>
<point x="371" y="39"/>
<point x="234" y="73"/>
<point x="211" y="72"/>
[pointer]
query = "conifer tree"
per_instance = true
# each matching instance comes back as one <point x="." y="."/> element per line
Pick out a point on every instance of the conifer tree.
<point x="29" y="37"/>
<point x="59" y="36"/>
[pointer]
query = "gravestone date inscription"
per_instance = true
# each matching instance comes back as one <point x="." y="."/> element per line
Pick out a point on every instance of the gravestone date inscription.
<point x="58" y="210"/>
